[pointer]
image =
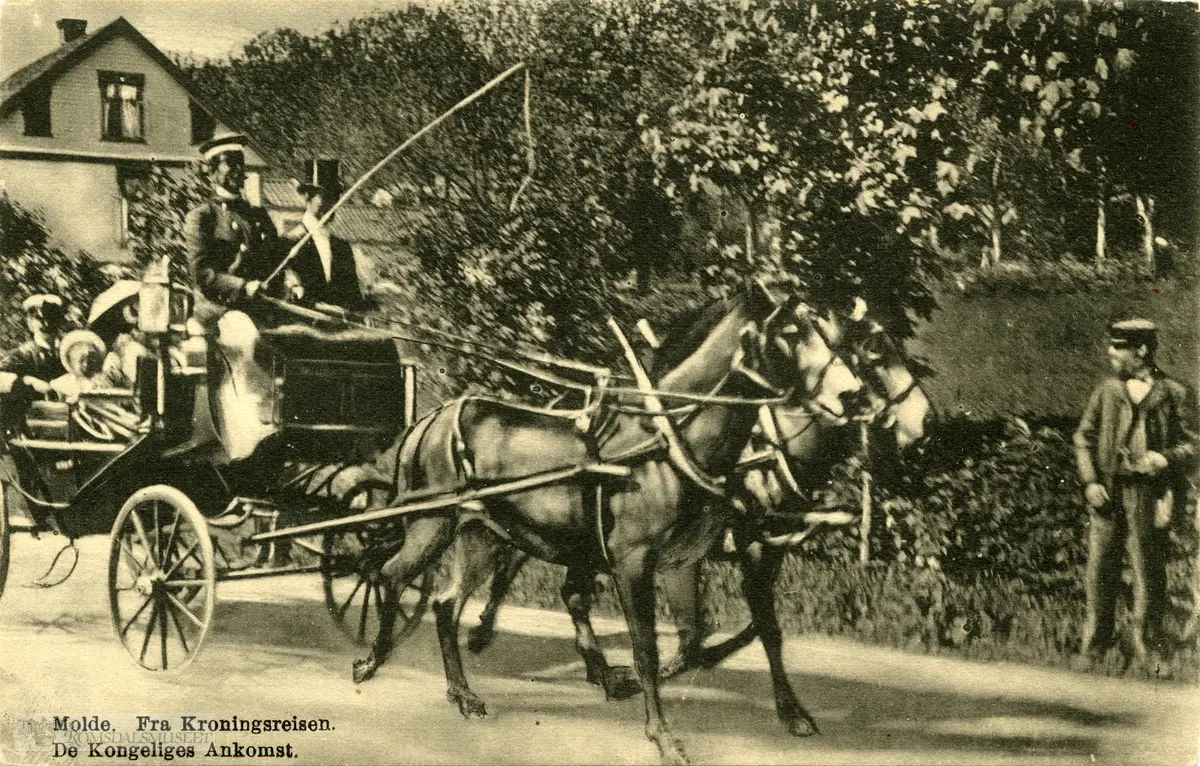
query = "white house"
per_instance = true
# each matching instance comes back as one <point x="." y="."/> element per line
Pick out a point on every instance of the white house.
<point x="79" y="127"/>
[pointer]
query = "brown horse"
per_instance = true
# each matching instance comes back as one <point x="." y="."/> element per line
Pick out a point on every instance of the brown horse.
<point x="811" y="445"/>
<point x="660" y="515"/>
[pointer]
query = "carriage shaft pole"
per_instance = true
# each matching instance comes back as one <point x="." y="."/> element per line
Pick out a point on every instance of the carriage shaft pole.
<point x="532" y="481"/>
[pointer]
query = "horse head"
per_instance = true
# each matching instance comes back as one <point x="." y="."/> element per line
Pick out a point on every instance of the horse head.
<point x="789" y="350"/>
<point x="898" y="402"/>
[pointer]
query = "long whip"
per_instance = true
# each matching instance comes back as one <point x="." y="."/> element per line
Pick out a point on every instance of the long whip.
<point x="391" y="156"/>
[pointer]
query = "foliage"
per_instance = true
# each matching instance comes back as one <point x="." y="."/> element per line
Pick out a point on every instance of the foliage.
<point x="30" y="263"/>
<point x="157" y="212"/>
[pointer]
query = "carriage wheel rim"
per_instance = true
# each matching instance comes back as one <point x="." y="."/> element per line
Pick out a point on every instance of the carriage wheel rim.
<point x="162" y="579"/>
<point x="347" y="590"/>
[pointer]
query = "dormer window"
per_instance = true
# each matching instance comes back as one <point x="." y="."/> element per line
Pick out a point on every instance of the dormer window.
<point x="35" y="110"/>
<point x="122" y="99"/>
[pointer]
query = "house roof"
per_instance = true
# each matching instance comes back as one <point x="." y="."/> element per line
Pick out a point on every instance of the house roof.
<point x="67" y="55"/>
<point x="360" y="224"/>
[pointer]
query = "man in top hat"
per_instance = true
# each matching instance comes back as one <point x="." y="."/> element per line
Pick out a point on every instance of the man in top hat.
<point x="30" y="366"/>
<point x="1135" y="447"/>
<point x="231" y="244"/>
<point x="325" y="266"/>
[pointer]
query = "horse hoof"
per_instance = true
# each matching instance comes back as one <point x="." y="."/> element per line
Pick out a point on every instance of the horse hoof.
<point x="479" y="638"/>
<point x="620" y="683"/>
<point x="471" y="706"/>
<point x="674" y="667"/>
<point x="671" y="753"/>
<point x="802" y="727"/>
<point x="363" y="670"/>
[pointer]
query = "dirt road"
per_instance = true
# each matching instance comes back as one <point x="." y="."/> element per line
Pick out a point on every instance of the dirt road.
<point x="273" y="653"/>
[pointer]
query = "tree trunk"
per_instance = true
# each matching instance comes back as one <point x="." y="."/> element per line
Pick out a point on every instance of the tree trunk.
<point x="1145" y="210"/>
<point x="995" y="252"/>
<point x="750" y="233"/>
<point x="1101" y="234"/>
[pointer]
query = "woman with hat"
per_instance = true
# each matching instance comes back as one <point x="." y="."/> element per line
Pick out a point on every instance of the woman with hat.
<point x="1135" y="447"/>
<point x="325" y="266"/>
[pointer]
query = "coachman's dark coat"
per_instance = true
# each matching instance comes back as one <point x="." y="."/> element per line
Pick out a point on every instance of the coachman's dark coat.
<point x="229" y="242"/>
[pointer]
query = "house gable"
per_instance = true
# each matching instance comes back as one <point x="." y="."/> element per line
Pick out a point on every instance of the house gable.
<point x="75" y="73"/>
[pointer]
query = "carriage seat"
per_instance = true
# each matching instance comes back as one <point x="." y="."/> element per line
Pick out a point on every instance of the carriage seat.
<point x="350" y="345"/>
<point x="49" y="420"/>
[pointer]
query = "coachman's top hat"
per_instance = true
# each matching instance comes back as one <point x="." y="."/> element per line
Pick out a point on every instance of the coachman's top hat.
<point x="319" y="176"/>
<point x="1133" y="333"/>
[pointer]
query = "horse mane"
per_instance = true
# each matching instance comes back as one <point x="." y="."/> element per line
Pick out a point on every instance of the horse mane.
<point x="688" y="331"/>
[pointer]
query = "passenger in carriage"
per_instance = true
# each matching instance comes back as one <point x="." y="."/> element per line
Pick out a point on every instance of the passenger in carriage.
<point x="114" y="318"/>
<point x="83" y="354"/>
<point x="325" y="269"/>
<point x="29" y="367"/>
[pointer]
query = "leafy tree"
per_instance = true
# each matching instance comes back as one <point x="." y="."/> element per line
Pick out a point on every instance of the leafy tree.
<point x="835" y="125"/>
<point x="30" y="263"/>
<point x="157" y="213"/>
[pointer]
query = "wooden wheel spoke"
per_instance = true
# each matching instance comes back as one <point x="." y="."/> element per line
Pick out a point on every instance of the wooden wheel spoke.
<point x="132" y="560"/>
<point x="183" y="608"/>
<point x="158" y="550"/>
<point x="174" y="529"/>
<point x="125" y="628"/>
<point x="349" y="600"/>
<point x="366" y="608"/>
<point x="141" y="531"/>
<point x="190" y="552"/>
<point x="149" y="631"/>
<point x="178" y="627"/>
<point x="163" y="643"/>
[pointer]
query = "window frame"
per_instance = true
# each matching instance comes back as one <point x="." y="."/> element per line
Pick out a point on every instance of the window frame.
<point x="107" y="78"/>
<point x="127" y="172"/>
<point x="210" y="122"/>
<point x="37" y="98"/>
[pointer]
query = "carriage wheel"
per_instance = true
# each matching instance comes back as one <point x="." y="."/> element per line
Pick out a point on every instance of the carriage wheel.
<point x="5" y="537"/>
<point x="354" y="587"/>
<point x="161" y="578"/>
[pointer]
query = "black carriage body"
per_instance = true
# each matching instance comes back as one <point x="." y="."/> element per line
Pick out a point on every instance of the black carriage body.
<point x="337" y="397"/>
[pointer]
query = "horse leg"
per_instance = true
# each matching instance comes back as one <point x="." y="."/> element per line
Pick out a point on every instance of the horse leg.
<point x="472" y="555"/>
<point x="759" y="570"/>
<point x="509" y="562"/>
<point x="425" y="539"/>
<point x="617" y="681"/>
<point x="682" y="587"/>
<point x="683" y="594"/>
<point x="634" y="576"/>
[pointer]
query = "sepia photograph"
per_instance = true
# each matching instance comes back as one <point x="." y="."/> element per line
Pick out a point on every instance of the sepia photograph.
<point x="599" y="382"/>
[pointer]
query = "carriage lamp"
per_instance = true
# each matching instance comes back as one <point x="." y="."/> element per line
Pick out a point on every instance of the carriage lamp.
<point x="154" y="299"/>
<point x="181" y="307"/>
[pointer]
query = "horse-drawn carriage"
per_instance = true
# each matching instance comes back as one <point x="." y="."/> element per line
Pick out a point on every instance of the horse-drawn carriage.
<point x="337" y="476"/>
<point x="149" y="467"/>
